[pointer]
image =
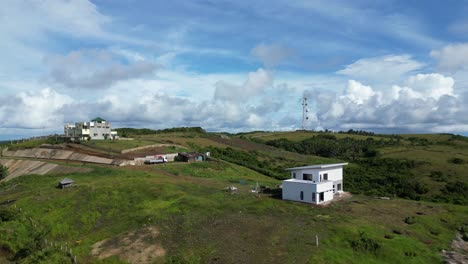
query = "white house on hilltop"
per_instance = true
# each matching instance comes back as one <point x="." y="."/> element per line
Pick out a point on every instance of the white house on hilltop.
<point x="314" y="184"/>
<point x="98" y="128"/>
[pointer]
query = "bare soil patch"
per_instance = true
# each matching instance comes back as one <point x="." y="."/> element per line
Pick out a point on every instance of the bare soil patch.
<point x="144" y="152"/>
<point x="459" y="253"/>
<point x="141" y="246"/>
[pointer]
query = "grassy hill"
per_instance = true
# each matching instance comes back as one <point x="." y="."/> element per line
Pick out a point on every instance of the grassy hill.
<point x="430" y="167"/>
<point x="181" y="213"/>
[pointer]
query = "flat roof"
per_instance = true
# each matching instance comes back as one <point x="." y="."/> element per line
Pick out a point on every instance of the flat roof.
<point x="319" y="166"/>
<point x="306" y="181"/>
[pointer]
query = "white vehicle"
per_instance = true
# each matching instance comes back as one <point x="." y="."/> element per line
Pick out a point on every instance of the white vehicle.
<point x="159" y="159"/>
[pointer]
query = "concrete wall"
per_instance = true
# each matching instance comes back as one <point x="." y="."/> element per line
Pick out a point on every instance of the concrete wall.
<point x="141" y="160"/>
<point x="41" y="153"/>
<point x="292" y="191"/>
<point x="99" y="132"/>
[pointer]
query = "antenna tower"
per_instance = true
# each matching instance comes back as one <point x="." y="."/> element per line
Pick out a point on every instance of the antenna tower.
<point x="305" y="112"/>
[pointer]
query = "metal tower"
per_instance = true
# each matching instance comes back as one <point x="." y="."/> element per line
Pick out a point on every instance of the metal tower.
<point x="305" y="112"/>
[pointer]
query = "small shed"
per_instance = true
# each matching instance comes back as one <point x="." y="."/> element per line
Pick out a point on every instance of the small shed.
<point x="191" y="156"/>
<point x="65" y="183"/>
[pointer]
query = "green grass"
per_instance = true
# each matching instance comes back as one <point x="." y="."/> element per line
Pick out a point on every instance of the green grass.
<point x="199" y="222"/>
<point x="27" y="144"/>
<point x="301" y="135"/>
<point x="434" y="158"/>
<point x="118" y="145"/>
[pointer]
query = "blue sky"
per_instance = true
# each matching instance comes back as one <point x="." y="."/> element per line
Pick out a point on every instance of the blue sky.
<point x="382" y="66"/>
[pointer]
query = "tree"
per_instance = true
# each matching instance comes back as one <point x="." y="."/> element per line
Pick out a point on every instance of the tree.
<point x="3" y="172"/>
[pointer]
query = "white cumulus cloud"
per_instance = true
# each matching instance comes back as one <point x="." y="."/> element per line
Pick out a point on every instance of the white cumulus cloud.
<point x="452" y="58"/>
<point x="255" y="84"/>
<point x="382" y="69"/>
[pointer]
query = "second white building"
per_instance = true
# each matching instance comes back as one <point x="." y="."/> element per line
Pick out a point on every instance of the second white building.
<point x="314" y="184"/>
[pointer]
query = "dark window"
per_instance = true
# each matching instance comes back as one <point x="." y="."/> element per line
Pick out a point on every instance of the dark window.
<point x="307" y="177"/>
<point x="302" y="195"/>
<point x="313" y="197"/>
<point x="325" y="176"/>
<point x="339" y="187"/>
<point x="294" y="175"/>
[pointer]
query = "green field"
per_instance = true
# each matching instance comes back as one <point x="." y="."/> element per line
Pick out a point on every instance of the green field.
<point x="199" y="222"/>
<point x="181" y="212"/>
<point x="117" y="145"/>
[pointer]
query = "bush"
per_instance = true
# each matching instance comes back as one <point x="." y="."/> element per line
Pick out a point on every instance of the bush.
<point x="456" y="161"/>
<point x="3" y="172"/>
<point x="7" y="214"/>
<point x="410" y="220"/>
<point x="438" y="176"/>
<point x="366" y="244"/>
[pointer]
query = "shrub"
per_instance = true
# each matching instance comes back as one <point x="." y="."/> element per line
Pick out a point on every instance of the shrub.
<point x="438" y="176"/>
<point x="3" y="172"/>
<point x="410" y="220"/>
<point x="456" y="161"/>
<point x="366" y="244"/>
<point x="7" y="214"/>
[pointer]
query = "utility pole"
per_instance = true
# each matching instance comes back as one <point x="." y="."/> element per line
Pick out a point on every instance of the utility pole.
<point x="305" y="112"/>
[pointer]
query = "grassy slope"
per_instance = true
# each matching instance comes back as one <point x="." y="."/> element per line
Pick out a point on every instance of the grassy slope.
<point x="301" y="135"/>
<point x="199" y="222"/>
<point x="117" y="145"/>
<point x="434" y="156"/>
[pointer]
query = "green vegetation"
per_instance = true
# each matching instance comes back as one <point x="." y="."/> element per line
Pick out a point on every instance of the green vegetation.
<point x="365" y="244"/>
<point x="381" y="168"/>
<point x="457" y="161"/>
<point x="117" y="145"/>
<point x="128" y="132"/>
<point x="34" y="143"/>
<point x="327" y="145"/>
<point x="214" y="224"/>
<point x="196" y="220"/>
<point x="3" y="172"/>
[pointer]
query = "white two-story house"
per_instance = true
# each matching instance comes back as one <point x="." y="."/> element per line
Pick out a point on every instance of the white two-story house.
<point x="314" y="184"/>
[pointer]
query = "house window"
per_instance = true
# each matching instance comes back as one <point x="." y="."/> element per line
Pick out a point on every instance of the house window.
<point x="302" y="195"/>
<point x="313" y="197"/>
<point x="325" y="176"/>
<point x="294" y="175"/>
<point x="339" y="186"/>
<point x="307" y="177"/>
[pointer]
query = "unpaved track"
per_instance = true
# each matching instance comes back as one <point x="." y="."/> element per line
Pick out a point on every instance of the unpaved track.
<point x="18" y="168"/>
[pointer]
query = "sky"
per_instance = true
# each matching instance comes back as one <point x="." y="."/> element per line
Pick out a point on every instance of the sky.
<point x="381" y="66"/>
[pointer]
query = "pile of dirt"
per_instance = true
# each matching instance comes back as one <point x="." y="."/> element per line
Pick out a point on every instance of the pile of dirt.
<point x="18" y="168"/>
<point x="139" y="246"/>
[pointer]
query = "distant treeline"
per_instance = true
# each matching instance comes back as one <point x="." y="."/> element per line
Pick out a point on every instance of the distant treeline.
<point x="328" y="145"/>
<point x="126" y="131"/>
<point x="372" y="175"/>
